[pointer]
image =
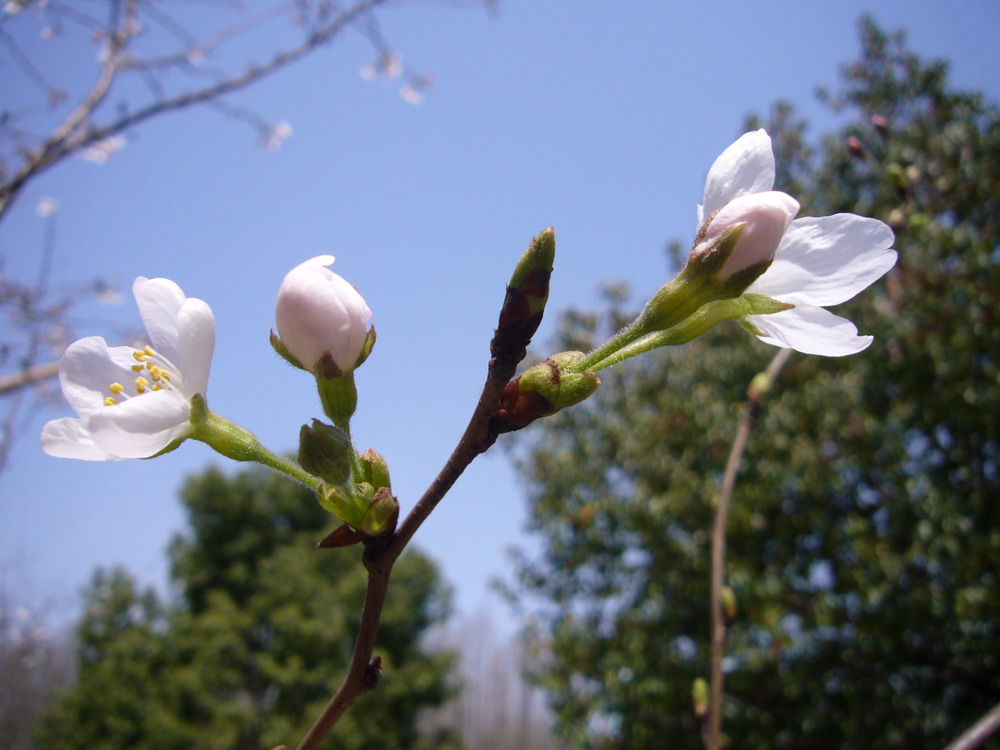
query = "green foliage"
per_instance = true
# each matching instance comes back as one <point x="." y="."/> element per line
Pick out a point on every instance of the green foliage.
<point x="864" y="545"/>
<point x="259" y="639"/>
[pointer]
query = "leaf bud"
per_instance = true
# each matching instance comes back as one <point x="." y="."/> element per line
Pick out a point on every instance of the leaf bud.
<point x="524" y="303"/>
<point x="699" y="697"/>
<point x="543" y="390"/>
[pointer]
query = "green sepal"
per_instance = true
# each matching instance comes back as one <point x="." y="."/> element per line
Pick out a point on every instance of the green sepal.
<point x="340" y="502"/>
<point x="366" y="347"/>
<point x="282" y="352"/>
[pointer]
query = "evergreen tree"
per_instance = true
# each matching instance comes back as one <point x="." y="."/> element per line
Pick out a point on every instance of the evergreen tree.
<point x="256" y="643"/>
<point x="864" y="541"/>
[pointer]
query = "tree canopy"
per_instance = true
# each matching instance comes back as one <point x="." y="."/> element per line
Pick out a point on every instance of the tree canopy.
<point x="864" y="541"/>
<point x="256" y="641"/>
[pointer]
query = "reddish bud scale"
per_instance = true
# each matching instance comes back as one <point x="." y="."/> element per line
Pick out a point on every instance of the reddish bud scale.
<point x="520" y="316"/>
<point x="519" y="409"/>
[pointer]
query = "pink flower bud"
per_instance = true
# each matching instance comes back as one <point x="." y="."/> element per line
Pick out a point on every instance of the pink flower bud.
<point x="319" y="313"/>
<point x="765" y="217"/>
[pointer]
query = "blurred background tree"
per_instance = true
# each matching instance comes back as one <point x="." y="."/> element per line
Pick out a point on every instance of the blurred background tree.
<point x="257" y="639"/>
<point x="864" y="541"/>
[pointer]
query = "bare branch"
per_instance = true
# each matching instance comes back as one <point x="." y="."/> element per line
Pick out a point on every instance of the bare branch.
<point x="979" y="732"/>
<point x="756" y="392"/>
<point x="77" y="132"/>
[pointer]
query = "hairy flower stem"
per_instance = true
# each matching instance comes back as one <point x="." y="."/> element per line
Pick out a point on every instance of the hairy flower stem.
<point x="759" y="387"/>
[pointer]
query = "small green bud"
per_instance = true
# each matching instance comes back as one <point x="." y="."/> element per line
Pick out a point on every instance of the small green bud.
<point x="699" y="697"/>
<point x="374" y="469"/>
<point x="543" y="390"/>
<point x="325" y="452"/>
<point x="729" y="606"/>
<point x="382" y="514"/>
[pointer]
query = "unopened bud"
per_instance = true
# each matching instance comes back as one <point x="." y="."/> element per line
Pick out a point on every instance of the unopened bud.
<point x="325" y="452"/>
<point x="322" y="320"/>
<point x="375" y="471"/>
<point x="729" y="607"/>
<point x="382" y="514"/>
<point x="855" y="147"/>
<point x="745" y="233"/>
<point x="881" y="124"/>
<point x="699" y="697"/>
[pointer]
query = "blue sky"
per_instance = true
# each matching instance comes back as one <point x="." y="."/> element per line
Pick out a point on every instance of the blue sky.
<point x="598" y="118"/>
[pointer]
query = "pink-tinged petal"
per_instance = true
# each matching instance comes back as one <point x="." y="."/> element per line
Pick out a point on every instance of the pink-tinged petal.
<point x="159" y="302"/>
<point x="810" y="330"/>
<point x="747" y="166"/>
<point x="141" y="426"/>
<point x="827" y="260"/>
<point x="765" y="217"/>
<point x="69" y="438"/>
<point x="88" y="368"/>
<point x="196" y="337"/>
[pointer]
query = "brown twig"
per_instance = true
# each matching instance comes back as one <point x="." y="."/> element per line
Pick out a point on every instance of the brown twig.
<point x="979" y="732"/>
<point x="757" y="390"/>
<point x="517" y="324"/>
<point x="363" y="673"/>
<point x="75" y="134"/>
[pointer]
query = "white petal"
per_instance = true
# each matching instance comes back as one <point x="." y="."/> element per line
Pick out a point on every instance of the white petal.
<point x="196" y="337"/>
<point x="827" y="260"/>
<point x="810" y="330"/>
<point x="159" y="302"/>
<point x="141" y="426"/>
<point x="69" y="438"/>
<point x="88" y="367"/>
<point x="747" y="166"/>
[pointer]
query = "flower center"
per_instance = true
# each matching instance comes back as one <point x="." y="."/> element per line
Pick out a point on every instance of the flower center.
<point x="154" y="372"/>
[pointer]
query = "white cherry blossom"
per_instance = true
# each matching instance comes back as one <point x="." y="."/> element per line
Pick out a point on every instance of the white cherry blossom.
<point x="818" y="261"/>
<point x="134" y="403"/>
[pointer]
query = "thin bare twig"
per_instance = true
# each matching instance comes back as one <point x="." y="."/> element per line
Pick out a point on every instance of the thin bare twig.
<point x="77" y="133"/>
<point x="755" y="394"/>
<point x="979" y="732"/>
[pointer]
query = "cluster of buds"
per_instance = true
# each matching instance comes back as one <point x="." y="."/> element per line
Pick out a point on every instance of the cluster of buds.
<point x="323" y="328"/>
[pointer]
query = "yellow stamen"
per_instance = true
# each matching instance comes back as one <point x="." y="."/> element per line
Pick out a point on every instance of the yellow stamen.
<point x="139" y="356"/>
<point x="157" y="387"/>
<point x="150" y="352"/>
<point x="138" y="368"/>
<point x="110" y="401"/>
<point x="116" y="388"/>
<point x="140" y="385"/>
